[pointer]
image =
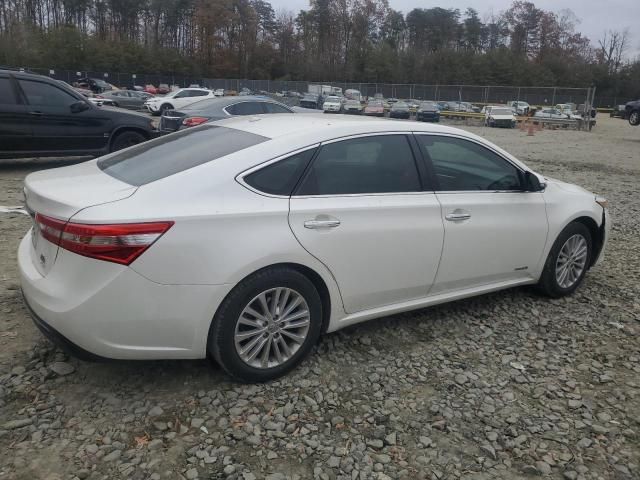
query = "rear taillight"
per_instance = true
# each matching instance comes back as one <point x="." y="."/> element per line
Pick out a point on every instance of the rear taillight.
<point x="118" y="243"/>
<point x="193" y="121"/>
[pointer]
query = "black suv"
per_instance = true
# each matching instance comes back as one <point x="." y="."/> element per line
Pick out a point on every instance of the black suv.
<point x="632" y="112"/>
<point x="41" y="116"/>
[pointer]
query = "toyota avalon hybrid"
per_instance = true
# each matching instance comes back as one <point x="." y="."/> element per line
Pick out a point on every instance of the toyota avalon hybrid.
<point x="247" y="239"/>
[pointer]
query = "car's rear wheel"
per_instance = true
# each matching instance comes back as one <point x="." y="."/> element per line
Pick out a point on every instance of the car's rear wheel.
<point x="267" y="325"/>
<point x="568" y="261"/>
<point x="164" y="107"/>
<point x="634" y="118"/>
<point x="115" y="104"/>
<point x="126" y="139"/>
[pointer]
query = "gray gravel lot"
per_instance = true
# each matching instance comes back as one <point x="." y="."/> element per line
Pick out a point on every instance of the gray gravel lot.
<point x="509" y="385"/>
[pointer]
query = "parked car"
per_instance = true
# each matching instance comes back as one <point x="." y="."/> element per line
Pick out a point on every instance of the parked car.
<point x="96" y="85"/>
<point x="413" y="105"/>
<point x="399" y="109"/>
<point x="443" y="105"/>
<point x="246" y="240"/>
<point x="131" y="99"/>
<point x="518" y="107"/>
<point x="374" y="107"/>
<point x="312" y="100"/>
<point x="554" y="113"/>
<point x="332" y="104"/>
<point x="353" y="107"/>
<point x="428" y="112"/>
<point x="163" y="89"/>
<point x="219" y="92"/>
<point x="214" y="109"/>
<point x="176" y="100"/>
<point x="459" y="107"/>
<point x="566" y="108"/>
<point x="632" y="112"/>
<point x="499" y="117"/>
<point x="150" y="89"/>
<point x="82" y="91"/>
<point x="617" y="111"/>
<point x="41" y="116"/>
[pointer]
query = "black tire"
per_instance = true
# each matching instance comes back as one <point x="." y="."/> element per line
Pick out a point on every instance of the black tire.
<point x="126" y="139"/>
<point x="634" y="118"/>
<point x="115" y="104"/>
<point x="164" y="107"/>
<point x="548" y="282"/>
<point x="221" y="344"/>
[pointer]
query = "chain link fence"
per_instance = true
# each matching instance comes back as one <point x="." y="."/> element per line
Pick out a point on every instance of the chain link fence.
<point x="478" y="94"/>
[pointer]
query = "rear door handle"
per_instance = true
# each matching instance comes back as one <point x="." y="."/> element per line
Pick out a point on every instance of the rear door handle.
<point x="457" y="216"/>
<point x="314" y="224"/>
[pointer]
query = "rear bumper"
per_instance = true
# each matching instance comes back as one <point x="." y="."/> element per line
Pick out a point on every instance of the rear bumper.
<point x="60" y="340"/>
<point x="97" y="309"/>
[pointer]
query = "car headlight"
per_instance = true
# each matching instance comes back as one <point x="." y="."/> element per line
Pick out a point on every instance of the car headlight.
<point x="603" y="202"/>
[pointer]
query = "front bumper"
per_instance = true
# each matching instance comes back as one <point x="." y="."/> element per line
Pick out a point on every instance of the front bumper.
<point x="152" y="107"/>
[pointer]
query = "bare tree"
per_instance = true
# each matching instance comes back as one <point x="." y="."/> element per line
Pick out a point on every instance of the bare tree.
<point x="613" y="46"/>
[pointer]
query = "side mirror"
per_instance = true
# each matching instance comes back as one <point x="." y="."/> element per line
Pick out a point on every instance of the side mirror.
<point x="78" y="107"/>
<point x="533" y="183"/>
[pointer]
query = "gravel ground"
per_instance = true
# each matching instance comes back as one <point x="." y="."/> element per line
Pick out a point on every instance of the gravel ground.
<point x="509" y="385"/>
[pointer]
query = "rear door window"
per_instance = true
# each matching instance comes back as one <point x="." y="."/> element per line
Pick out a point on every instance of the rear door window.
<point x="275" y="108"/>
<point x="165" y="156"/>
<point x="7" y="96"/>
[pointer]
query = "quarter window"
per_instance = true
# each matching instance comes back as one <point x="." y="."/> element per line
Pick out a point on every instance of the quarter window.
<point x="280" y="178"/>
<point x="376" y="164"/>
<point x="43" y="94"/>
<point x="461" y="165"/>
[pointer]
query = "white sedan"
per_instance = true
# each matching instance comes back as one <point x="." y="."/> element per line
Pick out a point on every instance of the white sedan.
<point x="247" y="239"/>
<point x="177" y="99"/>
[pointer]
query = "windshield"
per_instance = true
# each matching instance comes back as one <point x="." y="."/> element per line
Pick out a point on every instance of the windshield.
<point x="333" y="99"/>
<point x="400" y="105"/>
<point x="428" y="106"/>
<point x="168" y="155"/>
<point x="376" y="103"/>
<point x="501" y="111"/>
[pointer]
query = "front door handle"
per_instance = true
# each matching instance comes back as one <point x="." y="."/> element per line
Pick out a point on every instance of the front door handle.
<point x="314" y="224"/>
<point x="35" y="113"/>
<point x="457" y="216"/>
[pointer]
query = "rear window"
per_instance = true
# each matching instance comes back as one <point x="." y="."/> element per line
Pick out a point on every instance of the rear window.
<point x="165" y="156"/>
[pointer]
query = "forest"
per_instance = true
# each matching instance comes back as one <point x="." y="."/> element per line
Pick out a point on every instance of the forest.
<point x="332" y="40"/>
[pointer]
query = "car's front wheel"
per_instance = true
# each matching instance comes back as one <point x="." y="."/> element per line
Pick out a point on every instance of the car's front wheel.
<point x="267" y="325"/>
<point x="568" y="261"/>
<point x="634" y="118"/>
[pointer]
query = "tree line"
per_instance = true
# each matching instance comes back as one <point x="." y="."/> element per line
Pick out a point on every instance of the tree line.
<point x="333" y="40"/>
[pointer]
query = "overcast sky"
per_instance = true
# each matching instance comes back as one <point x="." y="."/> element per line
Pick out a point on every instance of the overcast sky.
<point x="596" y="16"/>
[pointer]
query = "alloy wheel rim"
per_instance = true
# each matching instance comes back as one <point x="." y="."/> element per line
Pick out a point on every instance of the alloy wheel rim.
<point x="272" y="327"/>
<point x="571" y="261"/>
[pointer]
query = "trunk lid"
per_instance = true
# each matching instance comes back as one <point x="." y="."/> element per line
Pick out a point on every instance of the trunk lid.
<point x="61" y="193"/>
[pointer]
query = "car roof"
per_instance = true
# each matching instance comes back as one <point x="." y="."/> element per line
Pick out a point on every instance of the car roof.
<point x="320" y="128"/>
